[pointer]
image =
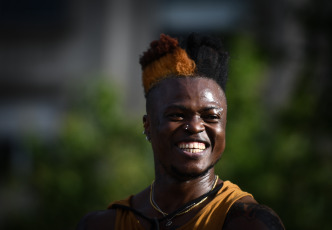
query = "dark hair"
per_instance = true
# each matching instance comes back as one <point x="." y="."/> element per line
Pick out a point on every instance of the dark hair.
<point x="209" y="55"/>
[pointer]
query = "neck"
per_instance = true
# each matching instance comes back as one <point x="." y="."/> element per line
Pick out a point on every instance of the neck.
<point x="171" y="193"/>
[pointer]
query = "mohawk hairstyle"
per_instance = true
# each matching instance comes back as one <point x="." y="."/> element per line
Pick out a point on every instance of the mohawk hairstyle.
<point x="158" y="48"/>
<point x="210" y="57"/>
<point x="196" y="56"/>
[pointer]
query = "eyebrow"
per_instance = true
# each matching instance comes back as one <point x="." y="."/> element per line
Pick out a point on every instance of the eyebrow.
<point x="186" y="108"/>
<point x="177" y="107"/>
<point x="212" y="107"/>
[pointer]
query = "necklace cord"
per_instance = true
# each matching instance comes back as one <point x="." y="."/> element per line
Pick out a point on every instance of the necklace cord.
<point x="173" y="214"/>
<point x="154" y="221"/>
<point x="183" y="209"/>
<point x="153" y="203"/>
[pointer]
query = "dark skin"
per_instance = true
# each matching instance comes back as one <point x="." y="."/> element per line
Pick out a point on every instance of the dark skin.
<point x="185" y="122"/>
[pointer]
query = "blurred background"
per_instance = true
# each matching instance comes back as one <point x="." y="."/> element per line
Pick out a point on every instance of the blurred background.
<point x="71" y="104"/>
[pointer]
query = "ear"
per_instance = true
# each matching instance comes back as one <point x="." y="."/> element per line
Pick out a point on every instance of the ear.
<point x="146" y="125"/>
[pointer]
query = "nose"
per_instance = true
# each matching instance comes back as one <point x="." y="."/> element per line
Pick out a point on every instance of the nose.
<point x="195" y="125"/>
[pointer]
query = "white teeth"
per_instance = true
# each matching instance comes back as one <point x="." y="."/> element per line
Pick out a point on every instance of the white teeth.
<point x="193" y="150"/>
<point x="192" y="147"/>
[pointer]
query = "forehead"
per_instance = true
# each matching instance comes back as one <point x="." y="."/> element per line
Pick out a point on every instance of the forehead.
<point x="189" y="90"/>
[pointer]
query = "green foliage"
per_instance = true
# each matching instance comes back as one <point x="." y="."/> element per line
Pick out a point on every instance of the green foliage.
<point x="245" y="130"/>
<point x="100" y="156"/>
<point x="275" y="157"/>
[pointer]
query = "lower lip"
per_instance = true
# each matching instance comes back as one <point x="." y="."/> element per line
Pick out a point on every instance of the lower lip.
<point x="193" y="155"/>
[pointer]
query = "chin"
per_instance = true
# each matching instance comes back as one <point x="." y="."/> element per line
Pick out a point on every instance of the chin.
<point x="189" y="175"/>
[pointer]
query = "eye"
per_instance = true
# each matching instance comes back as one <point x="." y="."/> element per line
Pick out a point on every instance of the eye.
<point x="176" y="116"/>
<point x="211" y="118"/>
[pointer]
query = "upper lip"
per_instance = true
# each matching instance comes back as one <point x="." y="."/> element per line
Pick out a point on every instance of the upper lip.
<point x="207" y="144"/>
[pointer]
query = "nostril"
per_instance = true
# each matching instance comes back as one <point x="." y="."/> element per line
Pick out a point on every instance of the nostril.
<point x="195" y="126"/>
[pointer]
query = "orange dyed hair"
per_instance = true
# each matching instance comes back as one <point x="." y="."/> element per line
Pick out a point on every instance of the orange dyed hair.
<point x="163" y="59"/>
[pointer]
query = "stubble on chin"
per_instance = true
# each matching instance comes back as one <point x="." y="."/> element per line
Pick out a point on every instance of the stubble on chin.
<point x="180" y="175"/>
<point x="185" y="176"/>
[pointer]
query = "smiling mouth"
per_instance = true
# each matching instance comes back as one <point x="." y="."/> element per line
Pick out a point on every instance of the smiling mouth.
<point x="192" y="147"/>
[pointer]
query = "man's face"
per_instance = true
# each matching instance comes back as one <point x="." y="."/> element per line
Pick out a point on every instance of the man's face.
<point x="186" y="122"/>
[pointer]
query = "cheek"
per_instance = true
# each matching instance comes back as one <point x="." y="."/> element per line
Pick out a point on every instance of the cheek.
<point x="166" y="128"/>
<point x="219" y="138"/>
<point x="162" y="135"/>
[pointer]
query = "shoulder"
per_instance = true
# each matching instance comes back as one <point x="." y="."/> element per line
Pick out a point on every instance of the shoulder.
<point x="100" y="220"/>
<point x="251" y="215"/>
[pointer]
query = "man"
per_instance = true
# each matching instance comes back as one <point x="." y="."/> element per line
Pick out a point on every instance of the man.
<point x="185" y="122"/>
